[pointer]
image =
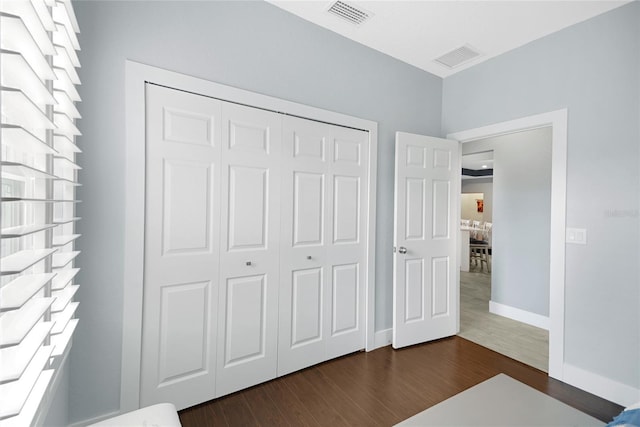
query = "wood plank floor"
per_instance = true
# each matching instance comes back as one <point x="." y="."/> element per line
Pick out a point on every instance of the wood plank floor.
<point x="380" y="388"/>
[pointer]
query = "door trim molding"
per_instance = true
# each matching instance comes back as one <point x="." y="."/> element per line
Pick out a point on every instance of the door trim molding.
<point x="136" y="75"/>
<point x="558" y="122"/>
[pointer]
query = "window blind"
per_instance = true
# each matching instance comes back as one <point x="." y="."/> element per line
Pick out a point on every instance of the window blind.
<point x="39" y="177"/>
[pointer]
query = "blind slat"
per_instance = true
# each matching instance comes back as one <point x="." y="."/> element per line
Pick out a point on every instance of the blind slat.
<point x="64" y="239"/>
<point x="17" y="292"/>
<point x="20" y="138"/>
<point x="31" y="406"/>
<point x="62" y="37"/>
<point x="19" y="110"/>
<point x="20" y="261"/>
<point x="64" y="144"/>
<point x="17" y="74"/>
<point x="16" y="324"/>
<point x="64" y="83"/>
<point x="23" y="230"/>
<point x="25" y="11"/>
<point x="61" y="341"/>
<point x="62" y="259"/>
<point x="64" y="60"/>
<point x="14" y="394"/>
<point x="43" y="13"/>
<point x="65" y="126"/>
<point x="63" y="277"/>
<point x="15" y="359"/>
<point x="15" y="37"/>
<point x="63" y="317"/>
<point x="66" y="220"/>
<point x="27" y="171"/>
<point x="65" y="105"/>
<point x="63" y="297"/>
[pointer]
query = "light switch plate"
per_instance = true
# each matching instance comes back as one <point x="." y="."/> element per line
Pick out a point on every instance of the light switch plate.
<point x="577" y="236"/>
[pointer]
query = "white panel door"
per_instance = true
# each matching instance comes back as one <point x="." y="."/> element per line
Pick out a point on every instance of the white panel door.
<point x="249" y="251"/>
<point x="425" y="281"/>
<point x="347" y="240"/>
<point x="323" y="247"/>
<point x="181" y="248"/>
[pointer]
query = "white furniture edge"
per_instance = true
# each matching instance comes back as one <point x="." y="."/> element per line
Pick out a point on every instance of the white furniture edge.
<point x="136" y="76"/>
<point x="558" y="121"/>
<point x="524" y="316"/>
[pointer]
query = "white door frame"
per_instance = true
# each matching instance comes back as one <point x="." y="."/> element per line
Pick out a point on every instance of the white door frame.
<point x="558" y="121"/>
<point x="136" y="76"/>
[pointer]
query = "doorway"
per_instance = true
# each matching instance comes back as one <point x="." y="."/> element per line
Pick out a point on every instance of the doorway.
<point x="557" y="123"/>
<point x="507" y="282"/>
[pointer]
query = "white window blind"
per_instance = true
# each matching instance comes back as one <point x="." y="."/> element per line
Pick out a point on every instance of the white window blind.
<point x="38" y="62"/>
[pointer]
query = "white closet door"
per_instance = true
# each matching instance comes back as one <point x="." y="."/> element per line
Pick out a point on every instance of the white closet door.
<point x="323" y="248"/>
<point x="305" y="210"/>
<point x="346" y="236"/>
<point x="250" y="206"/>
<point x="181" y="248"/>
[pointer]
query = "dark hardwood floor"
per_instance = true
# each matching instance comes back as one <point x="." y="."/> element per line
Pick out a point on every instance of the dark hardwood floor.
<point x="380" y="388"/>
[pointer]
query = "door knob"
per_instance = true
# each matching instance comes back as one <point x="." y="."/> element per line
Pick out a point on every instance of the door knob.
<point x="248" y="262"/>
<point x="402" y="250"/>
<point x="308" y="256"/>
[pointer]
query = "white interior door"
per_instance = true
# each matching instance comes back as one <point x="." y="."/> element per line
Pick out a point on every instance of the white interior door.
<point x="425" y="281"/>
<point x="181" y="248"/>
<point x="323" y="248"/>
<point x="249" y="254"/>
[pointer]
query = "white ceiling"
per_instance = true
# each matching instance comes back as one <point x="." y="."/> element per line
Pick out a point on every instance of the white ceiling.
<point x="477" y="160"/>
<point x="417" y="32"/>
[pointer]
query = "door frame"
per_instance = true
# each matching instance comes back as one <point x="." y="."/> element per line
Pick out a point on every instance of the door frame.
<point x="558" y="121"/>
<point x="136" y="76"/>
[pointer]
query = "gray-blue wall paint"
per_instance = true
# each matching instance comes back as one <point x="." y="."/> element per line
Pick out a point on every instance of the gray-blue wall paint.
<point x="593" y="69"/>
<point x="250" y="45"/>
<point x="521" y="197"/>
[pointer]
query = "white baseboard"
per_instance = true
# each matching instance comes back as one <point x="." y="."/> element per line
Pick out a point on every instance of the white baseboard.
<point x="606" y="388"/>
<point x="382" y="338"/>
<point x="95" y="419"/>
<point x="520" y="315"/>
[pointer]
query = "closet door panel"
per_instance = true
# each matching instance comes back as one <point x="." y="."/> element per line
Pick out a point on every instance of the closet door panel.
<point x="346" y="241"/>
<point x="303" y="289"/>
<point x="181" y="251"/>
<point x="323" y="237"/>
<point x="249" y="248"/>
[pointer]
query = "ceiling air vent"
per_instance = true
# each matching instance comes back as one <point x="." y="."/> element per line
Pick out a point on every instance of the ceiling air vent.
<point x="458" y="56"/>
<point x="349" y="12"/>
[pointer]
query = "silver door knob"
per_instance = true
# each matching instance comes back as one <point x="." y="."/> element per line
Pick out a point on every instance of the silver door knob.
<point x="402" y="250"/>
<point x="248" y="262"/>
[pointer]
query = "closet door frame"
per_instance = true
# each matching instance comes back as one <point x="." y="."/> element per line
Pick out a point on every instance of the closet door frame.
<point x="137" y="75"/>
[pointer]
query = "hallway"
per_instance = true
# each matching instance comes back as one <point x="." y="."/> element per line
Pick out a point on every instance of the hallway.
<point x="517" y="340"/>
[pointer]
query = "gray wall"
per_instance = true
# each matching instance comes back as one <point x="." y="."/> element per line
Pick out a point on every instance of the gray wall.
<point x="253" y="46"/>
<point x="521" y="218"/>
<point x="485" y="186"/>
<point x="593" y="69"/>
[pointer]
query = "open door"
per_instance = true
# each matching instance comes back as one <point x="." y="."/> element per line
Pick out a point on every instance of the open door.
<point x="425" y="267"/>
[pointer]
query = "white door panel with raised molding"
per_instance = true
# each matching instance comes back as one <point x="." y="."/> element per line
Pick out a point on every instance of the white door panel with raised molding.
<point x="181" y="248"/>
<point x="323" y="247"/>
<point x="425" y="285"/>
<point x="249" y="253"/>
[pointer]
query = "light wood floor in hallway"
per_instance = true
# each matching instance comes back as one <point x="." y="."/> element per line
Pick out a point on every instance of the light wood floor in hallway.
<point x="517" y="340"/>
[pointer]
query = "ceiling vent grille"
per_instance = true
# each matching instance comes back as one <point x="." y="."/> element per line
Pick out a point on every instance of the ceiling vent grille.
<point x="458" y="56"/>
<point x="349" y="12"/>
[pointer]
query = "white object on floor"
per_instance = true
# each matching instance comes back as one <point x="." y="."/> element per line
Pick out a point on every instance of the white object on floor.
<point x="501" y="401"/>
<point x="160" y="415"/>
